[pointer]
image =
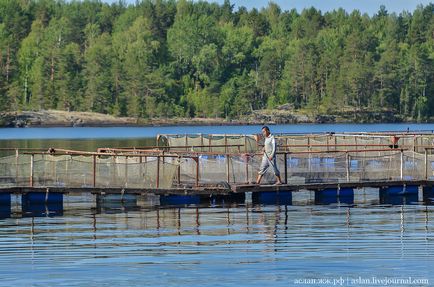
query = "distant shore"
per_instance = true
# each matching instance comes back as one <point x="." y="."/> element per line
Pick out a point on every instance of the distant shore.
<point x="55" y="118"/>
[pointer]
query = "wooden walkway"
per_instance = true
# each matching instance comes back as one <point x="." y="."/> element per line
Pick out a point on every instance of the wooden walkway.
<point x="331" y="185"/>
<point x="205" y="168"/>
<point x="220" y="191"/>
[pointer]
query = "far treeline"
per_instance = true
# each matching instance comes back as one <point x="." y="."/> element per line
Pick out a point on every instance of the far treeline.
<point x="167" y="58"/>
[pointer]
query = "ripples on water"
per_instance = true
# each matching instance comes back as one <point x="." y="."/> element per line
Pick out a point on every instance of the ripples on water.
<point x="235" y="245"/>
<point x="232" y="245"/>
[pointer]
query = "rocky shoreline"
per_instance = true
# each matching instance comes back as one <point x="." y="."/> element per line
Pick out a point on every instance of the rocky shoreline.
<point x="54" y="118"/>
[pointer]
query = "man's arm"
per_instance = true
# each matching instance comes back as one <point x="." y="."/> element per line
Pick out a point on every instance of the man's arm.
<point x="273" y="151"/>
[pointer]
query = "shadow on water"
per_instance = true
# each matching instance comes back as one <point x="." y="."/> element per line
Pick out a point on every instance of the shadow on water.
<point x="399" y="199"/>
<point x="40" y="204"/>
<point x="112" y="204"/>
<point x="209" y="201"/>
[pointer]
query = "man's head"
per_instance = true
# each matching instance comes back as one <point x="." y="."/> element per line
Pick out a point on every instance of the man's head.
<point x="265" y="131"/>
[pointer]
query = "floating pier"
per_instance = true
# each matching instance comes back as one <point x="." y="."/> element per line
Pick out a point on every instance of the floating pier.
<point x="194" y="168"/>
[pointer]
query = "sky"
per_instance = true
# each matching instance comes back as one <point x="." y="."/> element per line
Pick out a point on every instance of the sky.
<point x="365" y="6"/>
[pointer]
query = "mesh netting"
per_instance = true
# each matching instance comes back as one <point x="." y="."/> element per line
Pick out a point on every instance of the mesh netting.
<point x="312" y="168"/>
<point x="78" y="171"/>
<point x="15" y="170"/>
<point x="297" y="143"/>
<point x="323" y="161"/>
<point x="215" y="169"/>
<point x="211" y="143"/>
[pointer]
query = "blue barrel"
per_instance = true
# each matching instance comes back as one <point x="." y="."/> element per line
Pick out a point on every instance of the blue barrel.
<point x="346" y="192"/>
<point x="179" y="199"/>
<point x="428" y="194"/>
<point x="272" y="197"/>
<point x="346" y="195"/>
<point x="5" y="205"/>
<point x="326" y="196"/>
<point x="335" y="195"/>
<point x="397" y="199"/>
<point x="401" y="190"/>
<point x="42" y="197"/>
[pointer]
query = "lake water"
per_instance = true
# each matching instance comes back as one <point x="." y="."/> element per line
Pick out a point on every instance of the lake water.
<point x="151" y="132"/>
<point x="234" y="245"/>
<point x="106" y="243"/>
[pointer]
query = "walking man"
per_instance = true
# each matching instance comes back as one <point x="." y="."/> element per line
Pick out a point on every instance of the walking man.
<point x="269" y="157"/>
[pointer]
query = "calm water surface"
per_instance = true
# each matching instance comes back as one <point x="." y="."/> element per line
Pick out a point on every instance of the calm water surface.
<point x="90" y="138"/>
<point x="235" y="245"/>
<point x="140" y="244"/>
<point x="151" y="132"/>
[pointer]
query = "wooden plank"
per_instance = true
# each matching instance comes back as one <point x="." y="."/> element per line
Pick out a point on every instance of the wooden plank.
<point x="179" y="191"/>
<point x="213" y="190"/>
<point x="320" y="186"/>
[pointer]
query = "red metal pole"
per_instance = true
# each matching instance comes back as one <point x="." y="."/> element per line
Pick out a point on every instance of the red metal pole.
<point x="158" y="171"/>
<point x="197" y="171"/>
<point x="94" y="170"/>
<point x="32" y="159"/>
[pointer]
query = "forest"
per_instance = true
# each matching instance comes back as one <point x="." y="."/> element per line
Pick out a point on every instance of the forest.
<point x="167" y="58"/>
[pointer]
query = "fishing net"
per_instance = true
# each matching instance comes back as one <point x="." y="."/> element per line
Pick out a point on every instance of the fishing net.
<point x="210" y="143"/>
<point x="222" y="159"/>
<point x="87" y="171"/>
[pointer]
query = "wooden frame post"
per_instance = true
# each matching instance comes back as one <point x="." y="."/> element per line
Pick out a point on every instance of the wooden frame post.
<point x="226" y="144"/>
<point x="126" y="172"/>
<point x="402" y="165"/>
<point x="197" y="171"/>
<point x="347" y="164"/>
<point x="141" y="168"/>
<point x="247" y="167"/>
<point x="179" y="170"/>
<point x="227" y="168"/>
<point x="16" y="165"/>
<point x="245" y="143"/>
<point x="158" y="171"/>
<point x="94" y="171"/>
<point x="32" y="159"/>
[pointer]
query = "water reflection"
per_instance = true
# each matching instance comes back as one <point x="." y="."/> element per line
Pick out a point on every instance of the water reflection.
<point x="234" y="244"/>
<point x="116" y="203"/>
<point x="41" y="204"/>
<point x="42" y="210"/>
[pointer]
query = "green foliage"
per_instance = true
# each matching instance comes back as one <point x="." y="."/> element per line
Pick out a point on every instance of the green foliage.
<point x="168" y="58"/>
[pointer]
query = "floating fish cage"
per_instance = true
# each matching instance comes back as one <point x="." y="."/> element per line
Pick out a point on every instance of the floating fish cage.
<point x="212" y="160"/>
